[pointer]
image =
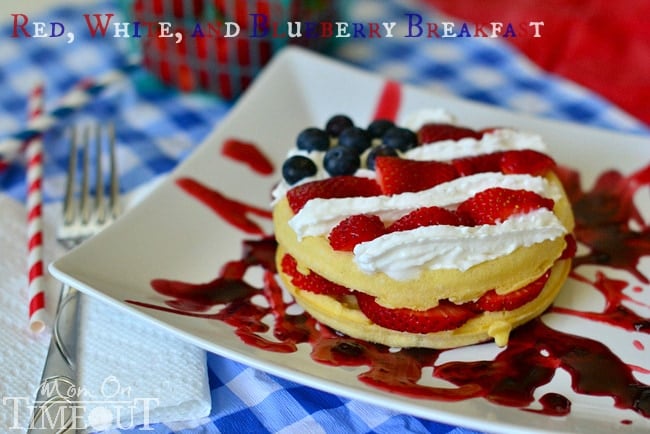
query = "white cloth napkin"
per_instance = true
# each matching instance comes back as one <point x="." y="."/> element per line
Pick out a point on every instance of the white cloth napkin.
<point x="130" y="371"/>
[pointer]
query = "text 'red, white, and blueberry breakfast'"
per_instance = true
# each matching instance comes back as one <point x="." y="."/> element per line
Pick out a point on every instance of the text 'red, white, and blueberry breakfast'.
<point x="425" y="235"/>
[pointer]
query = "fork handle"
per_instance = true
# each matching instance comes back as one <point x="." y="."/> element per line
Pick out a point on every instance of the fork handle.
<point x="58" y="408"/>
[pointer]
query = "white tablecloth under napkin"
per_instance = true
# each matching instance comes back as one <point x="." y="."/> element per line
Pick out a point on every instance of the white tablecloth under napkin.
<point x="131" y="372"/>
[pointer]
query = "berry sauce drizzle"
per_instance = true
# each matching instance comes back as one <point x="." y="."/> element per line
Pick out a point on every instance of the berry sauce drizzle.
<point x="535" y="351"/>
<point x="603" y="217"/>
<point x="233" y="211"/>
<point x="249" y="154"/>
<point x="389" y="101"/>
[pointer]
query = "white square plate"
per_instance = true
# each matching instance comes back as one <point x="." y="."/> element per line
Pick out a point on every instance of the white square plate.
<point x="171" y="235"/>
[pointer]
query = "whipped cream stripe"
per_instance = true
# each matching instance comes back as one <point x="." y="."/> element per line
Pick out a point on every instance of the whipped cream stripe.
<point x="502" y="139"/>
<point x="319" y="216"/>
<point x="402" y="255"/>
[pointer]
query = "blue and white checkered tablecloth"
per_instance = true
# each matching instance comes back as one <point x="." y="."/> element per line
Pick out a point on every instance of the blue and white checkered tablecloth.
<point x="158" y="127"/>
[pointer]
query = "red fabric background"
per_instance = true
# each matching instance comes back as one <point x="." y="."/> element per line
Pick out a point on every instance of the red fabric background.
<point x="602" y="44"/>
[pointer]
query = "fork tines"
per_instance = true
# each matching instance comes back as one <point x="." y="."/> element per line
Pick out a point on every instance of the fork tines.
<point x="87" y="210"/>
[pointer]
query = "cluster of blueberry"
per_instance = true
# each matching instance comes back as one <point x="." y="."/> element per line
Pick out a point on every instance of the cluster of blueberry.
<point x="344" y="145"/>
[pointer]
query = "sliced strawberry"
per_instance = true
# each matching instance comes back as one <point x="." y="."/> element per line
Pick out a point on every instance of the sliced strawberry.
<point x="311" y="282"/>
<point x="478" y="164"/>
<point x="496" y="204"/>
<point x="430" y="133"/>
<point x="493" y="302"/>
<point x="445" y="316"/>
<point x="426" y="216"/>
<point x="526" y="161"/>
<point x="397" y="175"/>
<point x="329" y="188"/>
<point x="354" y="230"/>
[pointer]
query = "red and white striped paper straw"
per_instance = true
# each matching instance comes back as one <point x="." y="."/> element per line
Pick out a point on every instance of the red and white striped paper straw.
<point x="36" y="274"/>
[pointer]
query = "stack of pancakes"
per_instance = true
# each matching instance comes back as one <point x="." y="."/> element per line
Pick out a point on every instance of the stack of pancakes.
<point x="546" y="263"/>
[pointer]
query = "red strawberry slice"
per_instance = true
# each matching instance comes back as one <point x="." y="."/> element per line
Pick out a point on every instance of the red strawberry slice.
<point x="526" y="161"/>
<point x="478" y="164"/>
<point x="493" y="302"/>
<point x="396" y="175"/>
<point x="354" y="230"/>
<point x="496" y="204"/>
<point x="330" y="188"/>
<point x="311" y="282"/>
<point x="445" y="316"/>
<point x="426" y="216"/>
<point x="430" y="133"/>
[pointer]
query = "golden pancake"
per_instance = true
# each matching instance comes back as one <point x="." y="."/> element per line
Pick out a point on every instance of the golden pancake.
<point x="504" y="274"/>
<point x="346" y="317"/>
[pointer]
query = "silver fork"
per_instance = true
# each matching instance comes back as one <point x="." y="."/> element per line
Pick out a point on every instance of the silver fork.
<point x="58" y="406"/>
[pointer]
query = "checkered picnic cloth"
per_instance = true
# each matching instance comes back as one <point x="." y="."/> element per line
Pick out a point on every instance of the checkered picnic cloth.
<point x="158" y="127"/>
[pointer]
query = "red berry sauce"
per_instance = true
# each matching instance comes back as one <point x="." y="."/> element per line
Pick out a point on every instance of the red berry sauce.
<point x="248" y="154"/>
<point x="535" y="350"/>
<point x="233" y="211"/>
<point x="389" y="101"/>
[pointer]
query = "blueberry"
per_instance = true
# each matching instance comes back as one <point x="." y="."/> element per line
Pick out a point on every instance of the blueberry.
<point x="400" y="138"/>
<point x="378" y="127"/>
<point x="355" y="138"/>
<point x="297" y="167"/>
<point x="313" y="139"/>
<point x="377" y="151"/>
<point x="340" y="160"/>
<point x="337" y="123"/>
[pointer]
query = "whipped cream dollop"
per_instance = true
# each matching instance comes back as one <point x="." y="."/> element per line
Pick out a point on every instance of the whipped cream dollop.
<point x="415" y="120"/>
<point x="403" y="255"/>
